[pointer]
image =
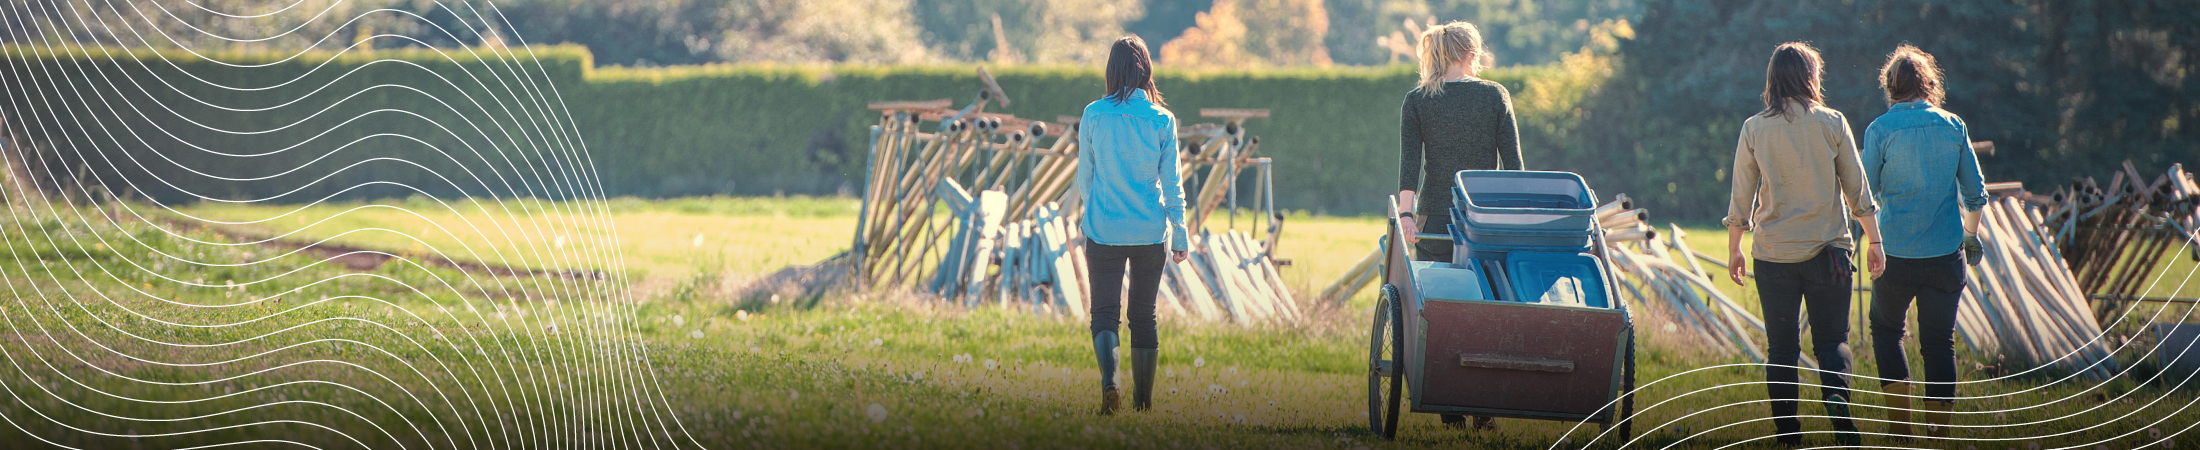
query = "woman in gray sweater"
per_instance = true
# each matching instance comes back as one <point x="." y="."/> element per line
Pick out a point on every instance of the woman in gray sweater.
<point x="1452" y="121"/>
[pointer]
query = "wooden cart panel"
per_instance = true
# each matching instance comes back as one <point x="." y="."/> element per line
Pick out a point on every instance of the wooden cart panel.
<point x="1518" y="357"/>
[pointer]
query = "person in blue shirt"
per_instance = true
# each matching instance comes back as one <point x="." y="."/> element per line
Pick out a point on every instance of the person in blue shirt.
<point x="1919" y="161"/>
<point x="1134" y="205"/>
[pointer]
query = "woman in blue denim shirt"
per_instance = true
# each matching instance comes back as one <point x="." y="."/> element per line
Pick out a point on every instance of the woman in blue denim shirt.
<point x="1134" y="205"/>
<point x="1919" y="161"/>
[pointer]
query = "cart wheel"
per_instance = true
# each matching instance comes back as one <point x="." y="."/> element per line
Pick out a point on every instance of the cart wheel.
<point x="1626" y="418"/>
<point x="1385" y="358"/>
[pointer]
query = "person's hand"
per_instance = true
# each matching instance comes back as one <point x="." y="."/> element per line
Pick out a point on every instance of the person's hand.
<point x="1737" y="265"/>
<point x="1875" y="259"/>
<point x="1179" y="256"/>
<point x="1973" y="250"/>
<point x="1412" y="230"/>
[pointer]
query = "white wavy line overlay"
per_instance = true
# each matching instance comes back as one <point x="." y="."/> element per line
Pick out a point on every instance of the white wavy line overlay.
<point x="596" y="390"/>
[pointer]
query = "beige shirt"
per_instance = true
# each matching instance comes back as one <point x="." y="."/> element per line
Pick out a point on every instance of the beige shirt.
<point x="1794" y="178"/>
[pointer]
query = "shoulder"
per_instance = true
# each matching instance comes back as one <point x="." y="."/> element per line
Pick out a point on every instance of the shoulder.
<point x="1415" y="95"/>
<point x="1485" y="87"/>
<point x="1824" y="114"/>
<point x="1946" y="116"/>
<point x="1100" y="105"/>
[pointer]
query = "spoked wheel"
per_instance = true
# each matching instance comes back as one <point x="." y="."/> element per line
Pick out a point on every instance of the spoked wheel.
<point x="1385" y="364"/>
<point x="1626" y="416"/>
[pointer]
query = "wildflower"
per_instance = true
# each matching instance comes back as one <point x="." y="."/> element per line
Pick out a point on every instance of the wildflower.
<point x="793" y="395"/>
<point x="876" y="412"/>
<point x="697" y="334"/>
<point x="678" y="321"/>
<point x="990" y="364"/>
<point x="1199" y="362"/>
<point x="1214" y="389"/>
<point x="875" y="342"/>
<point x="1171" y="373"/>
<point x="742" y="314"/>
<point x="1233" y="370"/>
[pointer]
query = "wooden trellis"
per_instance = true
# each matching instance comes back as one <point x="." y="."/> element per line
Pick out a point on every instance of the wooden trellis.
<point x="983" y="209"/>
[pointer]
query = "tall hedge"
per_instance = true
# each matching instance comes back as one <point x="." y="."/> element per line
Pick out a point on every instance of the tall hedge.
<point x="656" y="132"/>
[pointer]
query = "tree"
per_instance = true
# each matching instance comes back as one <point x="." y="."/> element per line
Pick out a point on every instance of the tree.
<point x="1261" y="33"/>
<point x="1040" y="31"/>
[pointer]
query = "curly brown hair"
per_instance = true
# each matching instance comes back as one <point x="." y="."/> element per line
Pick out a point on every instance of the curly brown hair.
<point x="1911" y="75"/>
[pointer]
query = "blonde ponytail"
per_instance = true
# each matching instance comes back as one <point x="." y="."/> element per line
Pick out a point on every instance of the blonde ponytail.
<point x="1447" y="44"/>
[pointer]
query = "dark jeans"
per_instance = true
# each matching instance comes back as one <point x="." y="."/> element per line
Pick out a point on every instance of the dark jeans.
<point x="1822" y="285"/>
<point x="1431" y="249"/>
<point x="1935" y="283"/>
<point x="1106" y="264"/>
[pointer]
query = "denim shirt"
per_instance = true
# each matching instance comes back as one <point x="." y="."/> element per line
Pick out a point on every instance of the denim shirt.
<point x="1919" y="160"/>
<point x="1126" y="168"/>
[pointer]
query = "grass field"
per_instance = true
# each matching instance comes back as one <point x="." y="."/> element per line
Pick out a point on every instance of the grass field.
<point x="868" y="369"/>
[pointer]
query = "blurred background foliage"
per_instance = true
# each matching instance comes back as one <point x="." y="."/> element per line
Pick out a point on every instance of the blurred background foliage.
<point x="1643" y="96"/>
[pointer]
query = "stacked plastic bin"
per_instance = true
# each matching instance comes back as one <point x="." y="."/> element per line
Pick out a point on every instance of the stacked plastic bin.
<point x="1530" y="234"/>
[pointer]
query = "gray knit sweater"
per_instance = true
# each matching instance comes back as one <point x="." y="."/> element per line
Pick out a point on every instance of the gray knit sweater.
<point x="1468" y="127"/>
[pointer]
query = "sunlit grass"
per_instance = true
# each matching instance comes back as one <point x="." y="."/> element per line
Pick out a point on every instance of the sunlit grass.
<point x="786" y="376"/>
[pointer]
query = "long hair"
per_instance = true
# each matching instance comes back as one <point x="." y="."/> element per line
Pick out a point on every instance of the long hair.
<point x="1130" y="67"/>
<point x="1792" y="75"/>
<point x="1911" y="75"/>
<point x="1444" y="45"/>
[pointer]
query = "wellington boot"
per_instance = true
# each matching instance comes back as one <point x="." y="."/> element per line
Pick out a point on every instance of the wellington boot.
<point x="1936" y="417"/>
<point x="1110" y="401"/>
<point x="1142" y="366"/>
<point x="1897" y="395"/>
<point x="1844" y="428"/>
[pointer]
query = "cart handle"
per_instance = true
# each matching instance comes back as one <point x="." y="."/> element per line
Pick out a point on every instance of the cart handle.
<point x="1523" y="363"/>
<point x="1435" y="236"/>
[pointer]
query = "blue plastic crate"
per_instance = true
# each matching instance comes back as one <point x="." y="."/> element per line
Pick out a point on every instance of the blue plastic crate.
<point x="1520" y="200"/>
<point x="1557" y="278"/>
<point x="1504" y="239"/>
<point x="1442" y="281"/>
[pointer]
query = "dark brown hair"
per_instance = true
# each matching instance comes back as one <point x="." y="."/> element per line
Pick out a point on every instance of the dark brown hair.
<point x="1911" y="75"/>
<point x="1792" y="75"/>
<point x="1130" y="67"/>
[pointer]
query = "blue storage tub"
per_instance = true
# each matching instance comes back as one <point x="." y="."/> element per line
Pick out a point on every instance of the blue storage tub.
<point x="1520" y="200"/>
<point x="1557" y="278"/>
<point x="1442" y="281"/>
<point x="1502" y="239"/>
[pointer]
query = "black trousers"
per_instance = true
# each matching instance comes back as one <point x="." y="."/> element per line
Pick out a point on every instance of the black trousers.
<point x="1107" y="264"/>
<point x="1820" y="284"/>
<point x="1936" y="283"/>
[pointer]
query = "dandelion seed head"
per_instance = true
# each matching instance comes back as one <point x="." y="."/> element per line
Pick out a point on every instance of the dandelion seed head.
<point x="875" y="412"/>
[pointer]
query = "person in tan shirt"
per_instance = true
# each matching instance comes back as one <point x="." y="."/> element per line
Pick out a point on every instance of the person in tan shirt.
<point x="1797" y="182"/>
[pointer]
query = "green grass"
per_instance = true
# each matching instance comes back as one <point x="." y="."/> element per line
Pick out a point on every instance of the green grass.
<point x="782" y="376"/>
<point x="669" y="239"/>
